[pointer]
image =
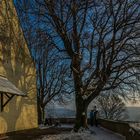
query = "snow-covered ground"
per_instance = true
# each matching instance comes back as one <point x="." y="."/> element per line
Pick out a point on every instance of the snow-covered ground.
<point x="94" y="133"/>
<point x="136" y="126"/>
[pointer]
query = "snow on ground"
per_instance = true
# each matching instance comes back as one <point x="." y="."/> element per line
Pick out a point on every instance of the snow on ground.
<point x="44" y="127"/>
<point x="94" y="133"/>
<point x="136" y="126"/>
<point x="71" y="136"/>
<point x="60" y="126"/>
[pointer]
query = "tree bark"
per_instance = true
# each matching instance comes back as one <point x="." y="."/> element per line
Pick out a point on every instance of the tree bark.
<point x="39" y="112"/>
<point x="43" y="113"/>
<point x="39" y="116"/>
<point x="81" y="113"/>
<point x="81" y="105"/>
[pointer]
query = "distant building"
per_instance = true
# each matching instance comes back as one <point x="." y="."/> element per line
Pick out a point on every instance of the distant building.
<point x="18" y="107"/>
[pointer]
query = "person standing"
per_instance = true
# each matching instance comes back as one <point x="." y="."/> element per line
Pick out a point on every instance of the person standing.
<point x="91" y="117"/>
<point x="95" y="116"/>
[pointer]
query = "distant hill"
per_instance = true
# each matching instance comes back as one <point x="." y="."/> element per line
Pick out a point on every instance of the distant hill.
<point x="134" y="113"/>
<point x="60" y="113"/>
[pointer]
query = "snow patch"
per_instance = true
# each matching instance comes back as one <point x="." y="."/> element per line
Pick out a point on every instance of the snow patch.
<point x="71" y="136"/>
<point x="93" y="133"/>
<point x="135" y="126"/>
<point x="83" y="134"/>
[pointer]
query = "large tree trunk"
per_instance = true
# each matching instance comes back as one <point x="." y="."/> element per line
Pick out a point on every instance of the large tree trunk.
<point x="39" y="112"/>
<point x="81" y="106"/>
<point x="39" y="115"/>
<point x="43" y="113"/>
<point x="81" y="113"/>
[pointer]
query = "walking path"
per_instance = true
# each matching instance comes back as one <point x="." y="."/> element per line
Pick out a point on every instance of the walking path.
<point x="65" y="132"/>
<point x="95" y="133"/>
<point x="104" y="134"/>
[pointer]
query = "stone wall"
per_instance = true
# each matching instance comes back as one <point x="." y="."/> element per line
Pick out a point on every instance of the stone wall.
<point x="121" y="127"/>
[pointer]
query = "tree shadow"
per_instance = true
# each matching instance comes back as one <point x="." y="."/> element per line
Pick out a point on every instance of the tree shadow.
<point x="17" y="65"/>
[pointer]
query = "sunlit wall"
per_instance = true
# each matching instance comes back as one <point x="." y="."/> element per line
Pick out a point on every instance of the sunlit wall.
<point x="17" y="65"/>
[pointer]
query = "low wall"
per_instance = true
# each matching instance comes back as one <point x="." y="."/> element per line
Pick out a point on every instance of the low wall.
<point x="122" y="128"/>
<point x="64" y="120"/>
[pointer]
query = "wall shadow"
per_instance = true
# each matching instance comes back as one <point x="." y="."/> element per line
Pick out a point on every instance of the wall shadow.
<point x="17" y="65"/>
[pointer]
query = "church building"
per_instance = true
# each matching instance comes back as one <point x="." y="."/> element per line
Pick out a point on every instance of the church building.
<point x="18" y="103"/>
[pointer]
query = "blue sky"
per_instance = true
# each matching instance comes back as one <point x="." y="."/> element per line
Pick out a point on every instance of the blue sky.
<point x="34" y="24"/>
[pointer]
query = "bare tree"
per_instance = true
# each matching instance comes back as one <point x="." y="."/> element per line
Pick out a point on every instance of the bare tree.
<point x="52" y="74"/>
<point x="112" y="107"/>
<point x="52" y="79"/>
<point x="52" y="70"/>
<point x="99" y="38"/>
